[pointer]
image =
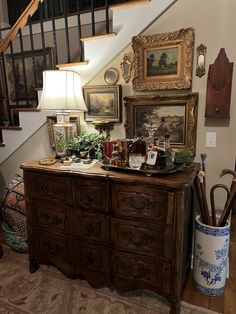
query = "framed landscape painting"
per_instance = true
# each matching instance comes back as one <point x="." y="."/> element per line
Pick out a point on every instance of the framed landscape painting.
<point x="163" y="61"/>
<point x="175" y="115"/>
<point x="34" y="68"/>
<point x="103" y="103"/>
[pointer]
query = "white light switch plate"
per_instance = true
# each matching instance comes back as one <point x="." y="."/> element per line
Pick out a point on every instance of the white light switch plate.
<point x="211" y="139"/>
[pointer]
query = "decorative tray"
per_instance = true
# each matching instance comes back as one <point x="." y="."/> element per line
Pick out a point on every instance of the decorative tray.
<point x="149" y="172"/>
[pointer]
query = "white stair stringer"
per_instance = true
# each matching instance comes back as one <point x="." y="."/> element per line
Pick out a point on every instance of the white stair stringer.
<point x="127" y="22"/>
<point x="30" y="122"/>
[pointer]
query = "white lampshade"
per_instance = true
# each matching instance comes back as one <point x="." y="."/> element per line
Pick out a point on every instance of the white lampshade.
<point x="62" y="91"/>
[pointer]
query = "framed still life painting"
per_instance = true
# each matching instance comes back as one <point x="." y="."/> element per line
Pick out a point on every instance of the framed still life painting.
<point x="163" y="61"/>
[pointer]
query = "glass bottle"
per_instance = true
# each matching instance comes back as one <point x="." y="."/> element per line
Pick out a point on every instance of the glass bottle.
<point x="168" y="149"/>
<point x="156" y="157"/>
<point x="151" y="129"/>
<point x="137" y="153"/>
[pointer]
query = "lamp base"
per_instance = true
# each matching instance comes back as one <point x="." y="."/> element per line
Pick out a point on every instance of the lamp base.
<point x="63" y="131"/>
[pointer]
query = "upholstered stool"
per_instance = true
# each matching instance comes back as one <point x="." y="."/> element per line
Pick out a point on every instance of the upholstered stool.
<point x="13" y="210"/>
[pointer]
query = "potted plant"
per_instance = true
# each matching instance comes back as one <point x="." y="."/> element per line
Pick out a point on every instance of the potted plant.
<point x="85" y="145"/>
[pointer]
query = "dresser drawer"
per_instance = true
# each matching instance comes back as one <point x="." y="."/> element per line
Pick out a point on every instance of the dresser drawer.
<point x="47" y="247"/>
<point x="91" y="227"/>
<point x="142" y="202"/>
<point x="144" y="238"/>
<point x="54" y="189"/>
<point x="91" y="195"/>
<point x="132" y="271"/>
<point x="92" y="262"/>
<point x="89" y="256"/>
<point x="49" y="218"/>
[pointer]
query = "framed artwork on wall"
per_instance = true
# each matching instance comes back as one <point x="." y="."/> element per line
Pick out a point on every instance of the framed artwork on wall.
<point x="103" y="103"/>
<point x="163" y="61"/>
<point x="175" y="115"/>
<point x="111" y="76"/>
<point x="126" y="68"/>
<point x="16" y="72"/>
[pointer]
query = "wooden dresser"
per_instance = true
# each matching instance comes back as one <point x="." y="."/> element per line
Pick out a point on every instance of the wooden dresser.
<point x="121" y="230"/>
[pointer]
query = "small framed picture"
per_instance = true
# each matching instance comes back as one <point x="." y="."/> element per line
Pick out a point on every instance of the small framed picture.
<point x="103" y="103"/>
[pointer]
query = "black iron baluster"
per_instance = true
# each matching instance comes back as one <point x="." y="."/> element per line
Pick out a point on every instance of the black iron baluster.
<point x="66" y="31"/>
<point x="107" y="16"/>
<point x="81" y="44"/>
<point x="6" y="94"/>
<point x="54" y="30"/>
<point x="42" y="34"/>
<point x="92" y="17"/>
<point x="33" y="56"/>
<point x="23" y="67"/>
<point x="15" y="76"/>
<point x="46" y="10"/>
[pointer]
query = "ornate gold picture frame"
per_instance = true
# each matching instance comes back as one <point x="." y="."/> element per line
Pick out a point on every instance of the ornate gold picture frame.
<point x="126" y="68"/>
<point x="175" y="115"/>
<point x="104" y="103"/>
<point x="163" y="61"/>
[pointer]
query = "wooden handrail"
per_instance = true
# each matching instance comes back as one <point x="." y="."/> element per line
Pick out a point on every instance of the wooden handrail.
<point x="20" y="23"/>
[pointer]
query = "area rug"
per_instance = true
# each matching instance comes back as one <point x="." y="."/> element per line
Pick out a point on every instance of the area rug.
<point x="48" y="291"/>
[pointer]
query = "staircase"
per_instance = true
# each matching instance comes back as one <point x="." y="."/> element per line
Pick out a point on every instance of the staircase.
<point x="128" y="20"/>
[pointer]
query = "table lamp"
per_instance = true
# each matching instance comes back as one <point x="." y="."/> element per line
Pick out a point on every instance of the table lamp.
<point x="62" y="92"/>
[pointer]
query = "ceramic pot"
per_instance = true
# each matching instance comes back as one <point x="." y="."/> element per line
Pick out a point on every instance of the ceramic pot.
<point x="210" y="257"/>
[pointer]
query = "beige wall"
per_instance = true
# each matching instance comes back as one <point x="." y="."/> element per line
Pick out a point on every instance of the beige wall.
<point x="214" y="24"/>
<point x="36" y="147"/>
<point x="3" y="14"/>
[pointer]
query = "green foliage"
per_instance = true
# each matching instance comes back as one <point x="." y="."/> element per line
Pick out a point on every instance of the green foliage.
<point x="183" y="156"/>
<point x="85" y="142"/>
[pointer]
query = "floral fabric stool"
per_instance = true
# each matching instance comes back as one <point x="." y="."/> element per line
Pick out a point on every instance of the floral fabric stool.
<point x="13" y="211"/>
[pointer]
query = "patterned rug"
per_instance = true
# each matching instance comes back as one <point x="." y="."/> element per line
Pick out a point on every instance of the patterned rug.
<point x="49" y="292"/>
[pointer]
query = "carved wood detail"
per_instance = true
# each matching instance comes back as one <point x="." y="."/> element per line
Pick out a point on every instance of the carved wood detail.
<point x="219" y="84"/>
<point x="113" y="229"/>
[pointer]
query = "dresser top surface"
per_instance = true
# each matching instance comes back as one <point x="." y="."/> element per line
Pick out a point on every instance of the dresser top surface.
<point x="180" y="179"/>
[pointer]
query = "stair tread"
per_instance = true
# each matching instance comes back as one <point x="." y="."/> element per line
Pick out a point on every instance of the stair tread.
<point x="27" y="109"/>
<point x="72" y="64"/>
<point x="99" y="36"/>
<point x="11" y="128"/>
<point x="128" y="4"/>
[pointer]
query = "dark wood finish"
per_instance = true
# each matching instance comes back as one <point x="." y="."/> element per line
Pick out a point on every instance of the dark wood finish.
<point x="114" y="229"/>
<point x="11" y="128"/>
<point x="219" y="84"/>
<point x="225" y="303"/>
